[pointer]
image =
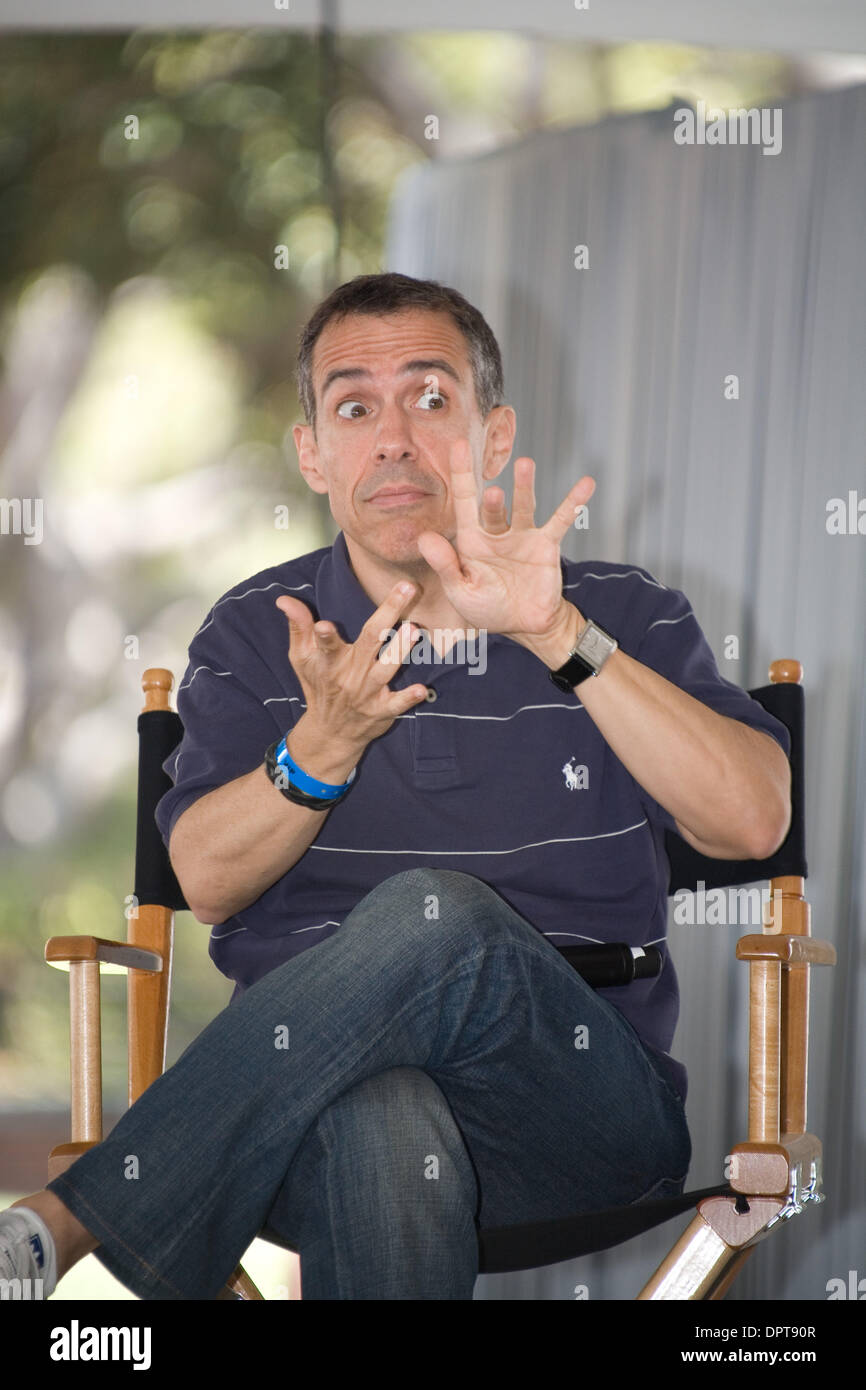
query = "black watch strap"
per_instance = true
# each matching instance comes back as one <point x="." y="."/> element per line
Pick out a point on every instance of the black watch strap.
<point x="572" y="673"/>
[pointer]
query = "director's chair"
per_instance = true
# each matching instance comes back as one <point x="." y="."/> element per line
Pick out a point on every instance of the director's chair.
<point x="774" y="1172"/>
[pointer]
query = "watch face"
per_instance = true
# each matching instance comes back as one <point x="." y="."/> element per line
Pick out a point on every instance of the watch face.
<point x="595" y="645"/>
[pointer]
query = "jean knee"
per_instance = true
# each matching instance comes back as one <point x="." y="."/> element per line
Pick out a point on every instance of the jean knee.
<point x="423" y="882"/>
<point x="446" y="899"/>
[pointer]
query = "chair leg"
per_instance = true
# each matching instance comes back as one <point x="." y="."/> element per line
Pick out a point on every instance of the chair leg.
<point x="710" y="1252"/>
<point x="721" y="1288"/>
<point x="240" y="1286"/>
<point x="692" y="1267"/>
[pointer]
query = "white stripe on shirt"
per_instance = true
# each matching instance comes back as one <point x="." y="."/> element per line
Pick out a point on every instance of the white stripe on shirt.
<point x="277" y="584"/>
<point x="624" y="575"/>
<point x="455" y="853"/>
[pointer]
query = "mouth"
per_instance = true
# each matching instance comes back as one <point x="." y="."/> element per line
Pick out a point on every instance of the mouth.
<point x="398" y="497"/>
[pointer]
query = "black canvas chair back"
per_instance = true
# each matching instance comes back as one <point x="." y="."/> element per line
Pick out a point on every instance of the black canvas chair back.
<point x="159" y="733"/>
<point x="785" y="702"/>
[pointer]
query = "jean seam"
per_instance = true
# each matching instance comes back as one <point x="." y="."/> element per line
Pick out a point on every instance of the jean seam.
<point x="336" y="1260"/>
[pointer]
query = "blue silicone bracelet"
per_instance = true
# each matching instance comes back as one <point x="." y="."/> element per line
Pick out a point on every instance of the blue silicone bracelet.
<point x="325" y="791"/>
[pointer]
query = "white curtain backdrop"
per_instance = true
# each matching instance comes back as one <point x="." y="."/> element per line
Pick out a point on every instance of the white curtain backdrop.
<point x="704" y="262"/>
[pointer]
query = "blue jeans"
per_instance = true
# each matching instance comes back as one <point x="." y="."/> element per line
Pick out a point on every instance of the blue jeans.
<point x="434" y="1066"/>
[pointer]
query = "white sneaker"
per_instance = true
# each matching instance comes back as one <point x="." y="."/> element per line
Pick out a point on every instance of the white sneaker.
<point x="28" y="1258"/>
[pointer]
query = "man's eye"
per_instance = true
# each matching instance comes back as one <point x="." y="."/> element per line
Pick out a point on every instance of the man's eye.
<point x="353" y="404"/>
<point x="431" y="397"/>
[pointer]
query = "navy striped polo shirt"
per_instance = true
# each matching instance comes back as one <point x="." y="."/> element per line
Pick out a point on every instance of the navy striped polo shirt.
<point x="502" y="776"/>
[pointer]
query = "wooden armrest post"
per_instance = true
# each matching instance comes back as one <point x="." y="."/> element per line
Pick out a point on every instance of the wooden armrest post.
<point x="85" y="1028"/>
<point x="788" y="914"/>
<point x="148" y="998"/>
<point x="764" y="1038"/>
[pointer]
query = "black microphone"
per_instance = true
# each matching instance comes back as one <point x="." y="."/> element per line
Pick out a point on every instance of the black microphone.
<point x="613" y="963"/>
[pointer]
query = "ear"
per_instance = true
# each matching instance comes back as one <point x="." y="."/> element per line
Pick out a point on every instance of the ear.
<point x="308" y="457"/>
<point x="500" y="428"/>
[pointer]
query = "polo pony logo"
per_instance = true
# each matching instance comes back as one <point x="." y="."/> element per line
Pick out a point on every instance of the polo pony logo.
<point x="576" y="777"/>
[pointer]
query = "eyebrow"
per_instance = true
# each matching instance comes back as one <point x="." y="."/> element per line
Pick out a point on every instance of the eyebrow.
<point x="418" y="364"/>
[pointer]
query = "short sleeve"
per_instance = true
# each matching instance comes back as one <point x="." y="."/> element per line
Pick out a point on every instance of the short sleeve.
<point x="674" y="645"/>
<point x="227" y="728"/>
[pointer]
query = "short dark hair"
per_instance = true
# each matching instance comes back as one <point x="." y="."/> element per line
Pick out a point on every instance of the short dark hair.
<point x="388" y="293"/>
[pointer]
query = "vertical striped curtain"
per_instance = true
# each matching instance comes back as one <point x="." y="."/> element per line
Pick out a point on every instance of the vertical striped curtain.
<point x="707" y="366"/>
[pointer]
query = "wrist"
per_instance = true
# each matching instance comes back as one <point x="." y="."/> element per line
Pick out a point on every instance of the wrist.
<point x="321" y="754"/>
<point x="555" y="646"/>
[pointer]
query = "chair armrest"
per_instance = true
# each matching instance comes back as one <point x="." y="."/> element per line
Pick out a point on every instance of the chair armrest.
<point x="60" y="950"/>
<point x="791" y="1166"/>
<point x="84" y="957"/>
<point x="789" y="950"/>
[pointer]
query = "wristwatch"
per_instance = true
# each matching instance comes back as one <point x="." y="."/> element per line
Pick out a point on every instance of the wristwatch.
<point x="587" y="658"/>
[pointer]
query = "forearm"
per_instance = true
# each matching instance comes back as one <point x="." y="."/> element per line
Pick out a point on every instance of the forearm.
<point x="708" y="771"/>
<point x="725" y="783"/>
<point x="234" y="843"/>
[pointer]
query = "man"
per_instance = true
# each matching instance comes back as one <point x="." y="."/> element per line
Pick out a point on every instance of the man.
<point x="434" y="829"/>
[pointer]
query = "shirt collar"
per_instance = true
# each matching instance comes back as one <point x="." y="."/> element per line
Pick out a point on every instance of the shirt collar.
<point x="341" y="600"/>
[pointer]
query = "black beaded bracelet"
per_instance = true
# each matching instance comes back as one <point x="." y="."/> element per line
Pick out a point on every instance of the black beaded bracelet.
<point x="280" y="779"/>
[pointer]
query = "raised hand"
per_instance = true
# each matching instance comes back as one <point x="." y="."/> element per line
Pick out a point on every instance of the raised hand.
<point x="505" y="578"/>
<point x="349" y="700"/>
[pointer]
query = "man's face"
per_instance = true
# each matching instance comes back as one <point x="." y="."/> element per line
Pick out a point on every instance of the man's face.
<point x="384" y="429"/>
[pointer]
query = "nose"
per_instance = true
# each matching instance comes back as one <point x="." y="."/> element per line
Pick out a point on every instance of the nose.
<point x="394" y="434"/>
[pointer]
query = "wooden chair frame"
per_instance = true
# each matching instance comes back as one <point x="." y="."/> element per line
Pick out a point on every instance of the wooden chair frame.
<point x="774" y="1173"/>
